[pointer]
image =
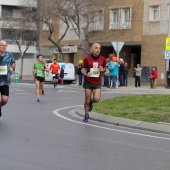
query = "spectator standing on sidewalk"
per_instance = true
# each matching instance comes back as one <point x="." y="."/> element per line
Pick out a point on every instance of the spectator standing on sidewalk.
<point x="7" y="64"/>
<point x="62" y="75"/>
<point x="107" y="77"/>
<point x="153" y="78"/>
<point x="138" y="71"/>
<point x="113" y="67"/>
<point x="92" y="67"/>
<point x="126" y="70"/>
<point x="121" y="72"/>
<point x="80" y="75"/>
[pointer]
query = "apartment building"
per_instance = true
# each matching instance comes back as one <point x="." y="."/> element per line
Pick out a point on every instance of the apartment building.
<point x="141" y="24"/>
<point x="10" y="13"/>
<point x="114" y="21"/>
<point x="155" y="30"/>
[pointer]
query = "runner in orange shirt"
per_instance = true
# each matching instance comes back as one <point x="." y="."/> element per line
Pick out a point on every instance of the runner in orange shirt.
<point x="55" y="67"/>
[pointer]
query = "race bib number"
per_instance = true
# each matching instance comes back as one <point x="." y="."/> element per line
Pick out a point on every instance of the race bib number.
<point x="94" y="72"/>
<point x="39" y="73"/>
<point x="3" y="70"/>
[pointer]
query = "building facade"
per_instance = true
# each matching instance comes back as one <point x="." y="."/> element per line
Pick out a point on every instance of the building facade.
<point x="155" y="30"/>
<point x="114" y="21"/>
<point x="142" y="25"/>
<point x="10" y="13"/>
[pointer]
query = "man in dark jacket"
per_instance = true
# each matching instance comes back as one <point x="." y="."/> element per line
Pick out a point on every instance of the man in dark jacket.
<point x="126" y="69"/>
<point x="121" y="72"/>
<point x="80" y="75"/>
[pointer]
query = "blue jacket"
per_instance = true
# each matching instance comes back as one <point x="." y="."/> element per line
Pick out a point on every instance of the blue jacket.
<point x="113" y="68"/>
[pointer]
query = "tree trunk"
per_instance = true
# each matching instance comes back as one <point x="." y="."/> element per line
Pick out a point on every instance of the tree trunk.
<point x="21" y="67"/>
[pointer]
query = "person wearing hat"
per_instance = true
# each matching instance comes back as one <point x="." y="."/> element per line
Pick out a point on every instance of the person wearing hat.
<point x="80" y="75"/>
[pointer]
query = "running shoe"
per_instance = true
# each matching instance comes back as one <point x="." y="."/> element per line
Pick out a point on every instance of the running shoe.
<point x="0" y="112"/>
<point x="42" y="92"/>
<point x="91" y="107"/>
<point x="86" y="118"/>
<point x="38" y="99"/>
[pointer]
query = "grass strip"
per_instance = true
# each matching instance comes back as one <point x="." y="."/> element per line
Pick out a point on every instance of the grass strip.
<point x="149" y="108"/>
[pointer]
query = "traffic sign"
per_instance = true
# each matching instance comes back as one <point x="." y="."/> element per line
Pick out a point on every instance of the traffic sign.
<point x="167" y="54"/>
<point x="117" y="46"/>
<point x="167" y="47"/>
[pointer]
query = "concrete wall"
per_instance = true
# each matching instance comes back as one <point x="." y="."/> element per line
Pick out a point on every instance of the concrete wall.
<point x="27" y="67"/>
<point x="33" y="3"/>
<point x="156" y="27"/>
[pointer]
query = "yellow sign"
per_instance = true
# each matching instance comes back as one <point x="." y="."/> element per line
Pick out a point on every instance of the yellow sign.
<point x="167" y="47"/>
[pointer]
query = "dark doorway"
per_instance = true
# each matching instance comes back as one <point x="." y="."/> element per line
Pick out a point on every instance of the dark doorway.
<point x="137" y="52"/>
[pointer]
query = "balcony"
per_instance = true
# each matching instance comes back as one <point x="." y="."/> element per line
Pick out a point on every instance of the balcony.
<point x="13" y="47"/>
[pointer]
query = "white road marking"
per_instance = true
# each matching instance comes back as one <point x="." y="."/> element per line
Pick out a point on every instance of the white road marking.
<point x="67" y="91"/>
<point x="56" y="112"/>
<point x="16" y="89"/>
<point x="22" y="93"/>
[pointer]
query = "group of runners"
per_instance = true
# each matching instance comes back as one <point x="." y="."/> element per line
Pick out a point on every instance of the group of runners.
<point x="38" y="72"/>
<point x="92" y="67"/>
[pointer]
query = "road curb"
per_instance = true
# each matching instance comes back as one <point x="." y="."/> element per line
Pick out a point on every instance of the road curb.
<point x="153" y="127"/>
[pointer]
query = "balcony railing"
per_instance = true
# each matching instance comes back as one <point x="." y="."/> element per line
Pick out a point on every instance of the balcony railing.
<point x="12" y="42"/>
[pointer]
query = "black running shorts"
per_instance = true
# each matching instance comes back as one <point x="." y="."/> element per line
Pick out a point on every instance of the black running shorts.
<point x="40" y="79"/>
<point x="4" y="90"/>
<point x="91" y="86"/>
<point x="56" y="76"/>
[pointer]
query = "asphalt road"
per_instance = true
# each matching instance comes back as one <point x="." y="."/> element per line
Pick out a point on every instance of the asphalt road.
<point x="44" y="136"/>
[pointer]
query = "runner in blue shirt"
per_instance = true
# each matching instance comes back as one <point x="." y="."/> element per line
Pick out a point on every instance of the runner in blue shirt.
<point x="7" y="66"/>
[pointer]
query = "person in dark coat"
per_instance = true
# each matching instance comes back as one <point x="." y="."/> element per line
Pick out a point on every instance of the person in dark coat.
<point x="62" y="75"/>
<point x="80" y="75"/>
<point x="121" y="72"/>
<point x="126" y="70"/>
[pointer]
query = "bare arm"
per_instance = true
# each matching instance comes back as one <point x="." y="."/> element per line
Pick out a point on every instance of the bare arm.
<point x="88" y="74"/>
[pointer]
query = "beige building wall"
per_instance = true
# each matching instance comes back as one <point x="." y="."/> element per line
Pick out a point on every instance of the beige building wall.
<point x="154" y="36"/>
<point x="153" y="54"/>
<point x="132" y="35"/>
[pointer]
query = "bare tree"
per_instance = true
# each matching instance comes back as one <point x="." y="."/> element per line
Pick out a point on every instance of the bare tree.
<point x="52" y="14"/>
<point x="86" y="17"/>
<point x="60" y="15"/>
<point x="88" y="20"/>
<point x="85" y="22"/>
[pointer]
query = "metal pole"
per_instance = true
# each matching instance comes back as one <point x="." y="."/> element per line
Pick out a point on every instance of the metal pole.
<point x="118" y="50"/>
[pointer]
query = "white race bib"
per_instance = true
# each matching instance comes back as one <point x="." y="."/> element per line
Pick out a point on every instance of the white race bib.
<point x="39" y="73"/>
<point x="3" y="70"/>
<point x="94" y="72"/>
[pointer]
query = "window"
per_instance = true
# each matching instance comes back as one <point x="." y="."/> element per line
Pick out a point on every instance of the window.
<point x="154" y="13"/>
<point x="96" y="21"/>
<point x="114" y="19"/>
<point x="84" y="22"/>
<point x="46" y="25"/>
<point x="7" y="11"/>
<point x="126" y="18"/>
<point x="17" y="13"/>
<point x="120" y="18"/>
